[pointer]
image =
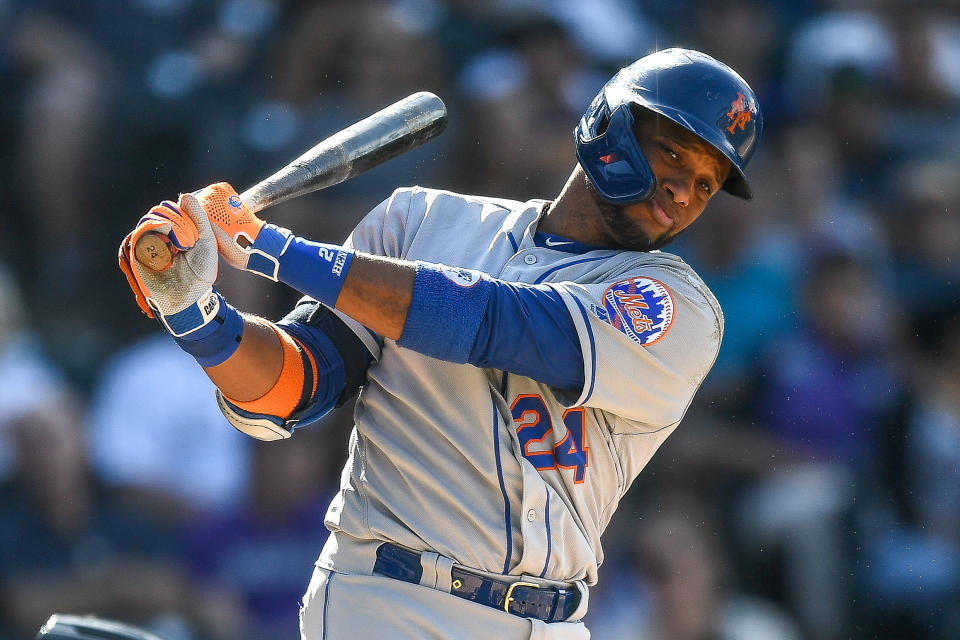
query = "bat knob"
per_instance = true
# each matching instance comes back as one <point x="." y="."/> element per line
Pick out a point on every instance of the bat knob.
<point x="154" y="251"/>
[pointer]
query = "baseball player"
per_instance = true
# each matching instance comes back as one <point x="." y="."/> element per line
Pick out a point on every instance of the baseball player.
<point x="518" y="363"/>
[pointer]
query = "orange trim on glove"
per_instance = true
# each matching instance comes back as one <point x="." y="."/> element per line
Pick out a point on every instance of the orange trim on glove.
<point x="224" y="208"/>
<point x="124" y="257"/>
<point x="178" y="232"/>
<point x="285" y="395"/>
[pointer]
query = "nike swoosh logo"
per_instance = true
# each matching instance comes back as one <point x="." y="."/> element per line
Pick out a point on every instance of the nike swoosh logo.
<point x="550" y="243"/>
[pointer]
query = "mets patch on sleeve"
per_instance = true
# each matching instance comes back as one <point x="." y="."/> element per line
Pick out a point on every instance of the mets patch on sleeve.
<point x="459" y="276"/>
<point x="641" y="308"/>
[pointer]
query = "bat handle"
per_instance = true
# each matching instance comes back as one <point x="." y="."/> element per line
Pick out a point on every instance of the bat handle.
<point x="154" y="251"/>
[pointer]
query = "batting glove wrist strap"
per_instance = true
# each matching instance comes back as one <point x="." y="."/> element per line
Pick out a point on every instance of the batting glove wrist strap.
<point x="209" y="330"/>
<point x="314" y="268"/>
<point x="193" y="317"/>
<point x="266" y="252"/>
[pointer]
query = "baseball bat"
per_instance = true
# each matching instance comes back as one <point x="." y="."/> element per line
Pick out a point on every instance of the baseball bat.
<point x="394" y="130"/>
<point x="88" y="627"/>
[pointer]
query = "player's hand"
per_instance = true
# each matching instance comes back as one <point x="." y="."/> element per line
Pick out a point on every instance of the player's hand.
<point x="244" y="240"/>
<point x="234" y="225"/>
<point x="191" y="273"/>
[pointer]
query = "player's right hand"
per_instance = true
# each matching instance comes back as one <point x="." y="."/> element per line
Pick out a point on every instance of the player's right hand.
<point x="192" y="272"/>
<point x="234" y="225"/>
<point x="244" y="240"/>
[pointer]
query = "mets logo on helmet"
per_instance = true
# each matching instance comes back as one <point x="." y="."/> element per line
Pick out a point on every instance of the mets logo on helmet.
<point x="739" y="113"/>
<point x="641" y="308"/>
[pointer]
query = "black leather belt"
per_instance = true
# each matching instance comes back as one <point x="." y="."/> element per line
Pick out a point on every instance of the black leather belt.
<point x="524" y="599"/>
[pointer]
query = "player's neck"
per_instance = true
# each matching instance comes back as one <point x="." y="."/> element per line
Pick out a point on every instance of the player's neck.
<point x="573" y="214"/>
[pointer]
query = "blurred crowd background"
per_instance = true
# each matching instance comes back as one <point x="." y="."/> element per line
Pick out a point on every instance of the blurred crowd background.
<point x="812" y="491"/>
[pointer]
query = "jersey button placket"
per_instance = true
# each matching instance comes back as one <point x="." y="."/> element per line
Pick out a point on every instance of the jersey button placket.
<point x="533" y="525"/>
<point x="530" y="259"/>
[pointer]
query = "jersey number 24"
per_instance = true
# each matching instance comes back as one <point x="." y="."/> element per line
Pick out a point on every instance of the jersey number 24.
<point x="533" y="424"/>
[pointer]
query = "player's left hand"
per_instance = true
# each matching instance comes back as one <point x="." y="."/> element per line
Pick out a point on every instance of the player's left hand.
<point x="193" y="269"/>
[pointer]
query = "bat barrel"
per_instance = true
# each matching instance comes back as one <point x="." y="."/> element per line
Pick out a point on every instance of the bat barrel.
<point x="386" y="134"/>
<point x="349" y="152"/>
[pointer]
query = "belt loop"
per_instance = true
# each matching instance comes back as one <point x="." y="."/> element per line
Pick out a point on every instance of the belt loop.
<point x="444" y="569"/>
<point x="436" y="571"/>
<point x="428" y="560"/>
<point x="584" y="603"/>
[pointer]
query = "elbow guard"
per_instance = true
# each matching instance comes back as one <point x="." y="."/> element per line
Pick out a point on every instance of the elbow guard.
<point x="324" y="364"/>
<point x="256" y="425"/>
<point x="268" y="417"/>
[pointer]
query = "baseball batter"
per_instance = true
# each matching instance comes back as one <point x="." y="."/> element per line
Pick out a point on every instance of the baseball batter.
<point x="518" y="363"/>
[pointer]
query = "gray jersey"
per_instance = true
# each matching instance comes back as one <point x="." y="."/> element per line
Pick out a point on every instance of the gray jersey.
<point x="494" y="470"/>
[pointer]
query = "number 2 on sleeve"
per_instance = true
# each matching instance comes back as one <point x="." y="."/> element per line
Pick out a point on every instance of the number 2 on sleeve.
<point x="533" y="424"/>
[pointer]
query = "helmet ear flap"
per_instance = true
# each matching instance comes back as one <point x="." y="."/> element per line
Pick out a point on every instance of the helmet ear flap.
<point x="603" y="123"/>
<point x="612" y="159"/>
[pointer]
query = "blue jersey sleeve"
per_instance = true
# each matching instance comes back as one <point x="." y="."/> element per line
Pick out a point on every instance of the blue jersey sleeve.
<point x="527" y="330"/>
<point x="462" y="315"/>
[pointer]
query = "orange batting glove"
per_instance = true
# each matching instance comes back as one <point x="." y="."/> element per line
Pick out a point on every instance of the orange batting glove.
<point x="244" y="240"/>
<point x="166" y="220"/>
<point x="187" y="282"/>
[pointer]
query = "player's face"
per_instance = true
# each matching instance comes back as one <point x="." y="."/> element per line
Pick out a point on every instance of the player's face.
<point x="688" y="172"/>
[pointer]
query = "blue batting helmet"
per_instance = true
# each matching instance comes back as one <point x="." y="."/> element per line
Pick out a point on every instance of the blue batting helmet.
<point x="688" y="87"/>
